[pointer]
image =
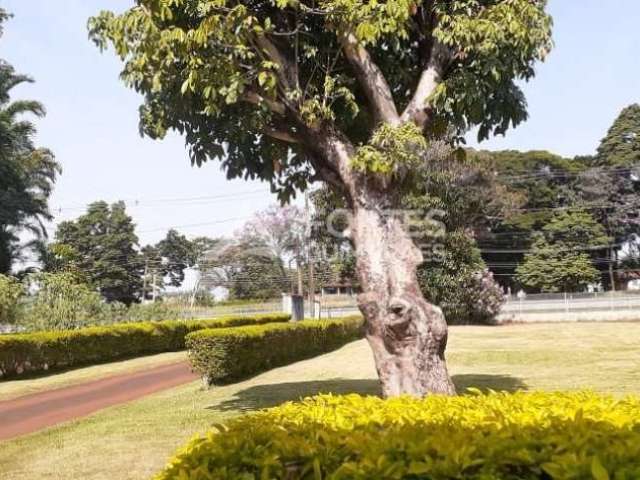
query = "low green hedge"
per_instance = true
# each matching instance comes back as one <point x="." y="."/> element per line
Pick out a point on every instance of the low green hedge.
<point x="227" y="354"/>
<point x="33" y="352"/>
<point x="531" y="436"/>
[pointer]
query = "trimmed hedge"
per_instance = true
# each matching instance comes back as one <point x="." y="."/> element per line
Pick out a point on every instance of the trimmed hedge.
<point x="33" y="352"/>
<point x="228" y="354"/>
<point x="577" y="436"/>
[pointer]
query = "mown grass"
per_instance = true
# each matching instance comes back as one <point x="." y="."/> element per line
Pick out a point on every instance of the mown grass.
<point x="133" y="441"/>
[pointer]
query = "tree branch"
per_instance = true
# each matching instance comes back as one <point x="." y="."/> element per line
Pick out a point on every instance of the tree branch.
<point x="371" y="79"/>
<point x="282" y="135"/>
<point x="287" y="72"/>
<point x="257" y="99"/>
<point x="419" y="109"/>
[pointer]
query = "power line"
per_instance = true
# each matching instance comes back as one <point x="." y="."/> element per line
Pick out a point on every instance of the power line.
<point x="204" y="200"/>
<point x="549" y="173"/>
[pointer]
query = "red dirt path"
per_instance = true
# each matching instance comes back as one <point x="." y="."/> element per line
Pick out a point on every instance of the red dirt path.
<point x="34" y="412"/>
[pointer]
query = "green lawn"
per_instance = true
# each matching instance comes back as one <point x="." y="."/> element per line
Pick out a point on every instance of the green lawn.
<point x="134" y="440"/>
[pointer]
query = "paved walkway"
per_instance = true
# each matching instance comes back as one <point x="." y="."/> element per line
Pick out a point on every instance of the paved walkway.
<point x="31" y="413"/>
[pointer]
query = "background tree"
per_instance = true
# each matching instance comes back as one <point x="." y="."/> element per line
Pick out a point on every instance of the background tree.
<point x="11" y="293"/>
<point x="610" y="188"/>
<point x="561" y="257"/>
<point x="165" y="262"/>
<point x="349" y="92"/>
<point x="246" y="267"/>
<point x="178" y="254"/>
<point x="106" y="244"/>
<point x="553" y="268"/>
<point x="539" y="183"/>
<point x="282" y="231"/>
<point x="576" y="229"/>
<point x="621" y="145"/>
<point x="201" y="245"/>
<point x="27" y="173"/>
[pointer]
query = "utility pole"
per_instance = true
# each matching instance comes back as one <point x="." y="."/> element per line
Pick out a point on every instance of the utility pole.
<point x="153" y="294"/>
<point x="299" y="262"/>
<point x="312" y="281"/>
<point x="144" y="280"/>
<point x="192" y="300"/>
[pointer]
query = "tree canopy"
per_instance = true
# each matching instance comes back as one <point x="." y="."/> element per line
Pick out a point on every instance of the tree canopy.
<point x="105" y="245"/>
<point x="621" y="146"/>
<point x="255" y="84"/>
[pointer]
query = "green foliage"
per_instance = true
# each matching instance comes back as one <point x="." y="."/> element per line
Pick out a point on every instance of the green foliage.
<point x="27" y="173"/>
<point x="495" y="42"/>
<point x="35" y="352"/>
<point x="178" y="254"/>
<point x="223" y="355"/>
<point x="576" y="229"/>
<point x="540" y="183"/>
<point x="458" y="282"/>
<point x="390" y="149"/>
<point x="11" y="292"/>
<point x="556" y="268"/>
<point x="224" y="73"/>
<point x="61" y="302"/>
<point x="527" y="436"/>
<point x="60" y="258"/>
<point x="621" y="146"/>
<point x="105" y="243"/>
<point x="560" y="260"/>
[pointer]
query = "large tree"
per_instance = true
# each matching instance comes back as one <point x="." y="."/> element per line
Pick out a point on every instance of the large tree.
<point x="27" y="173"/>
<point x="353" y="93"/>
<point x="105" y="246"/>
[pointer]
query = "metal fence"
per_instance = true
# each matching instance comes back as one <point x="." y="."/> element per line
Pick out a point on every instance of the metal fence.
<point x="556" y="307"/>
<point x="572" y="307"/>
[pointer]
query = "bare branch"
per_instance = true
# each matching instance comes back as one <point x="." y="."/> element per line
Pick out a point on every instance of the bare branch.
<point x="371" y="79"/>
<point x="419" y="109"/>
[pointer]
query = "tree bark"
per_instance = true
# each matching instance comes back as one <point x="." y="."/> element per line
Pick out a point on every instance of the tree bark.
<point x="408" y="335"/>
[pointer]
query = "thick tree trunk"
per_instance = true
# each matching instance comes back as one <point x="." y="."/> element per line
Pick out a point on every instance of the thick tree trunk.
<point x="407" y="334"/>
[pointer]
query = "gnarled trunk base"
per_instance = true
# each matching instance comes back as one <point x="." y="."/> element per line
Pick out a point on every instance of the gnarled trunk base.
<point x="408" y="335"/>
<point x="408" y="339"/>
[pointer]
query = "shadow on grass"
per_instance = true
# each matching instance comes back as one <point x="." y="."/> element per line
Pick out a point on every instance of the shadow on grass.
<point x="499" y="383"/>
<point x="265" y="396"/>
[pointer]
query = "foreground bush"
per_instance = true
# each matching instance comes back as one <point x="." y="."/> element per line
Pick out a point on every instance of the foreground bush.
<point x="499" y="436"/>
<point x="227" y="354"/>
<point x="32" y="352"/>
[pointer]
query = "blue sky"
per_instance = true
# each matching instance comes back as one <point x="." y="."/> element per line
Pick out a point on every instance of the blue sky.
<point x="92" y="118"/>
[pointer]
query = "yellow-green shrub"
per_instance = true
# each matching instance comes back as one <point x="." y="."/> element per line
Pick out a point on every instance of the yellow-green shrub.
<point x="576" y="436"/>
<point x="32" y="352"/>
<point x="226" y="354"/>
